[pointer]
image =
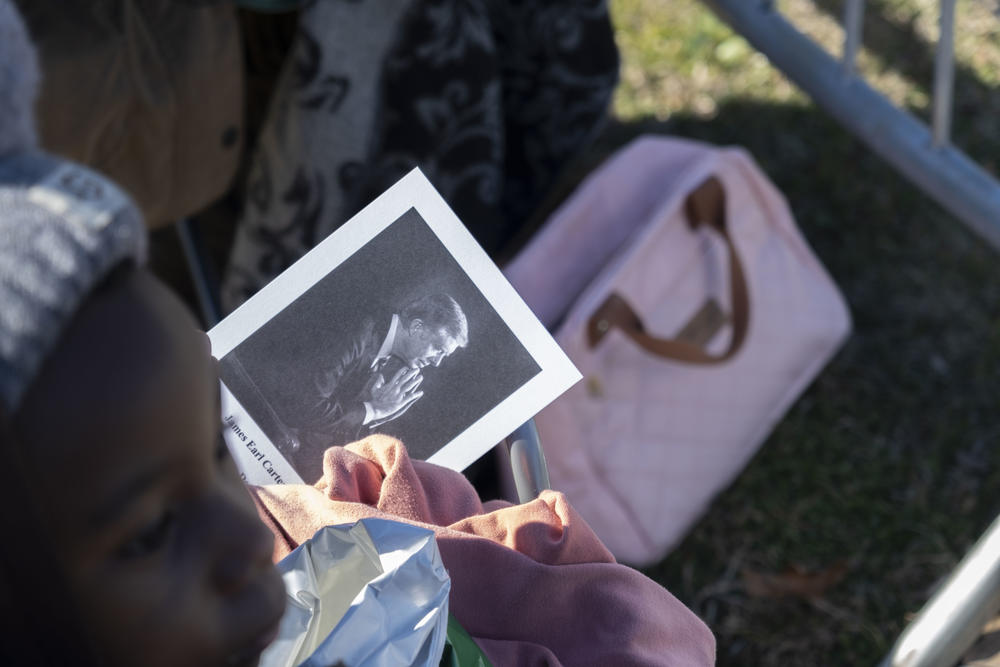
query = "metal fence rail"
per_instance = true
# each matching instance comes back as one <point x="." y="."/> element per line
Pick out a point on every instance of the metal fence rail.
<point x="922" y="154"/>
<point x="953" y="619"/>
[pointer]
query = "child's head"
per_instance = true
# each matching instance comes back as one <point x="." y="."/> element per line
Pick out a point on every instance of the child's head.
<point x="156" y="537"/>
<point x="137" y="506"/>
<point x="131" y="539"/>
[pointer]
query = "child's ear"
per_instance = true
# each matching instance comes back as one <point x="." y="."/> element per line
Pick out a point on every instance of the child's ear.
<point x="417" y="328"/>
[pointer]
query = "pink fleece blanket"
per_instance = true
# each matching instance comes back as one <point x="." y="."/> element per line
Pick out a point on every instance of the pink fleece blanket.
<point x="531" y="583"/>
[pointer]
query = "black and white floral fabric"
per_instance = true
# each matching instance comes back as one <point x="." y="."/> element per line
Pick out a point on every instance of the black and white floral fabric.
<point x="490" y="98"/>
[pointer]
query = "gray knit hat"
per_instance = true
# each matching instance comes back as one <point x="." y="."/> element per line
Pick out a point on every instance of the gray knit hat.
<point x="62" y="227"/>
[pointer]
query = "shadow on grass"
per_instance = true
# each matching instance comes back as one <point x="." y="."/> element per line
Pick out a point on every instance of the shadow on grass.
<point x="888" y="462"/>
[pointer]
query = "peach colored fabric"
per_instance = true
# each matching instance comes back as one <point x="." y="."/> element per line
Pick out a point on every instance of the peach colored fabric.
<point x="532" y="583"/>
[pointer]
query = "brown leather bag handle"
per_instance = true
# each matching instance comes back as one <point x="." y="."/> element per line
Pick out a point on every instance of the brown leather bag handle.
<point x="706" y="205"/>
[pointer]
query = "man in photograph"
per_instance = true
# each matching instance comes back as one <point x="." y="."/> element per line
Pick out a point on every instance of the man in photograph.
<point x="373" y="377"/>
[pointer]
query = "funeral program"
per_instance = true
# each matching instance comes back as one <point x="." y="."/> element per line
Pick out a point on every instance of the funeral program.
<point x="398" y="323"/>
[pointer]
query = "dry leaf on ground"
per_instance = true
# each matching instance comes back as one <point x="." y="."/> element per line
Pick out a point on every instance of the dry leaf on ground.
<point x="795" y="582"/>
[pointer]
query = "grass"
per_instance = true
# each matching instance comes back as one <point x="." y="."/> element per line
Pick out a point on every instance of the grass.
<point x="888" y="465"/>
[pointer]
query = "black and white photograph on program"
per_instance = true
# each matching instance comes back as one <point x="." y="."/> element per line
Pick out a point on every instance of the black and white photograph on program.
<point x="395" y="340"/>
<point x="399" y="324"/>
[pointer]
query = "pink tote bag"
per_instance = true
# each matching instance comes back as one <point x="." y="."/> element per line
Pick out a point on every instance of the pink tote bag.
<point x="678" y="282"/>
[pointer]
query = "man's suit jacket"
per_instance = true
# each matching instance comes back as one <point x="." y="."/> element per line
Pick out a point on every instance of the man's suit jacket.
<point x="332" y="404"/>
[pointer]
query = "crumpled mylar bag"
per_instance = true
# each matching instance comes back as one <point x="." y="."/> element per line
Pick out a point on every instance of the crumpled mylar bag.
<point x="372" y="593"/>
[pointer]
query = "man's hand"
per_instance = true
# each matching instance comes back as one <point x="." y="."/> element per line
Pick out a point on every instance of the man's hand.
<point x="395" y="395"/>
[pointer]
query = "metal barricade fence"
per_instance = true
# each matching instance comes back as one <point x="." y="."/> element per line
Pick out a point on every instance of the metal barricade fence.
<point x="923" y="154"/>
<point x="950" y="622"/>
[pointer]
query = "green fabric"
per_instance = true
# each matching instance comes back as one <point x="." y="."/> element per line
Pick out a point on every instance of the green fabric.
<point x="460" y="650"/>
